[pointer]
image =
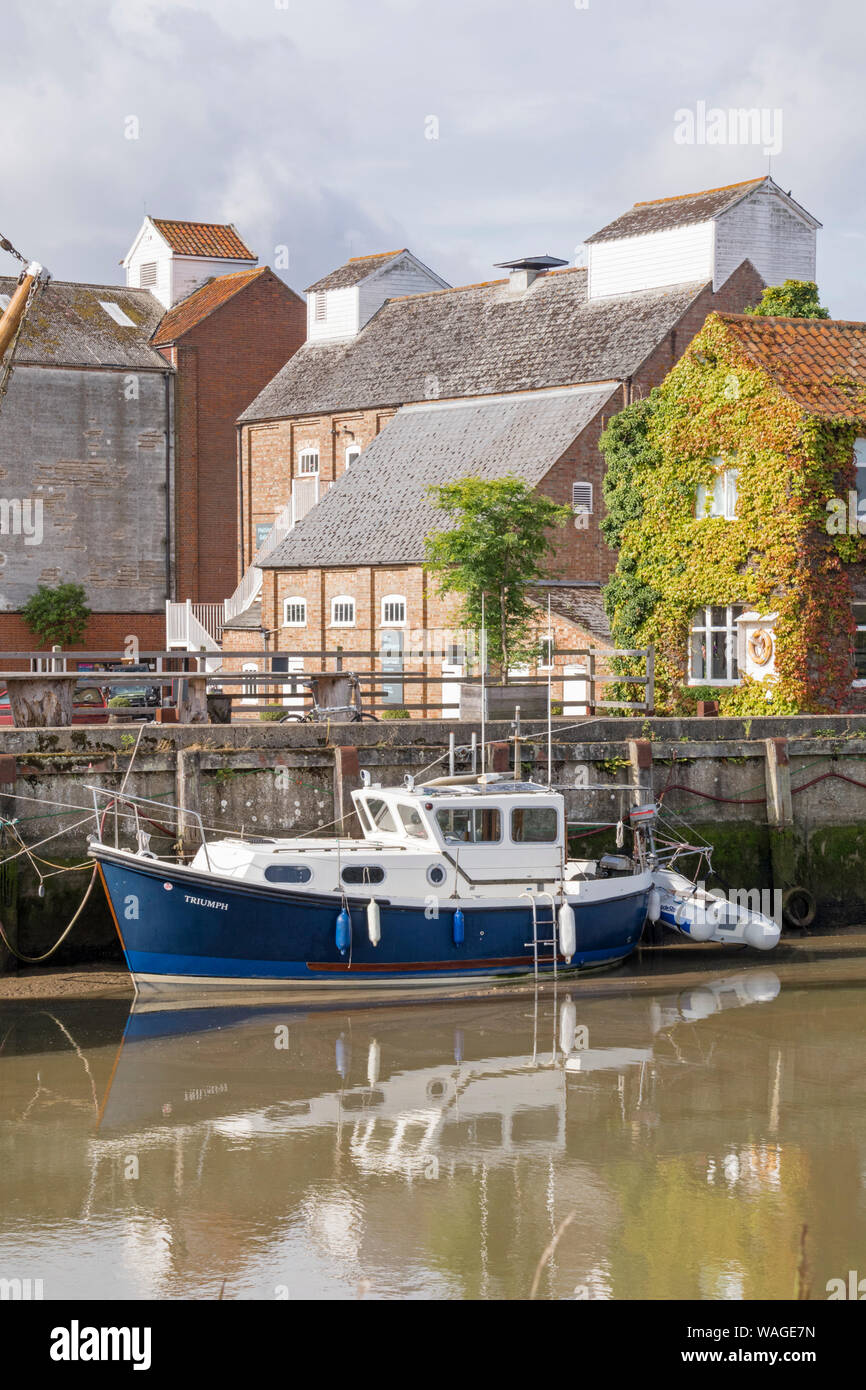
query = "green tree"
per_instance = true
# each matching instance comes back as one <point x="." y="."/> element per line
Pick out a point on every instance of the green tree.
<point x="794" y="299"/>
<point x="57" y="616"/>
<point x="499" y="536"/>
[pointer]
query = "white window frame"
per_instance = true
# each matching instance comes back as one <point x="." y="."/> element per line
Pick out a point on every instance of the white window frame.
<point x="721" y="501"/>
<point x="304" y="456"/>
<point x="584" y="506"/>
<point x="394" y="600"/>
<point x="296" y="600"/>
<point x="860" y="474"/>
<point x="546" y="653"/>
<point x="702" y="623"/>
<point x="353" y="450"/>
<point x="346" y="600"/>
<point x="859" y="627"/>
<point x="148" y="274"/>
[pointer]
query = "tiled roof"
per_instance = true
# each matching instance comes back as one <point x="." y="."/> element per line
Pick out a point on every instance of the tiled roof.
<point x="190" y="311"/>
<point x="522" y="435"/>
<point x="475" y="341"/>
<point x="579" y="604"/>
<point x="354" y="271"/>
<point x="214" y="239"/>
<point x="679" y="211"/>
<point x="67" y="326"/>
<point x="819" y="363"/>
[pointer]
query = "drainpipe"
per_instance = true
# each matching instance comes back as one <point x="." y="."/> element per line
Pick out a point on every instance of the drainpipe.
<point x="241" y="517"/>
<point x="169" y="471"/>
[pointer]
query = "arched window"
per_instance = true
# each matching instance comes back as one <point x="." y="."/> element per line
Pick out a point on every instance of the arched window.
<point x="343" y="611"/>
<point x="394" y="610"/>
<point x="353" y="452"/>
<point x="250" y="687"/>
<point x="308" y="461"/>
<point x="295" y="612"/>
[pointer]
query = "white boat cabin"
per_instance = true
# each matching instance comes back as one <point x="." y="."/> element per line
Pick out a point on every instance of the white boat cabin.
<point x="451" y="835"/>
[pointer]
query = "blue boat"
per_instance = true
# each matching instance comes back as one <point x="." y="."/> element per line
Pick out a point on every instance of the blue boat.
<point x="461" y="880"/>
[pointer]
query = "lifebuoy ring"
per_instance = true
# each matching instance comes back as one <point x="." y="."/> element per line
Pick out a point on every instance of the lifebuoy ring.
<point x="798" y="907"/>
<point x="760" y="646"/>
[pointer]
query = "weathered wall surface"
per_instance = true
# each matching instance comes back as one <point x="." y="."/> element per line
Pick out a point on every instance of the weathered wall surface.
<point x="714" y="774"/>
<point x="90" y="445"/>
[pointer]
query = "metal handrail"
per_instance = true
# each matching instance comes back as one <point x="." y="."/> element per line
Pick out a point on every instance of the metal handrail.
<point x="121" y="798"/>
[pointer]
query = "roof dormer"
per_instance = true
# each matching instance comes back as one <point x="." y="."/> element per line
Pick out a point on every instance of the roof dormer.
<point x="171" y="259"/>
<point x="339" y="305"/>
<point x="704" y="237"/>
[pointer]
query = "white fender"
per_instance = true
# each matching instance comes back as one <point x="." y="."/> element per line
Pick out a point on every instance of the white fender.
<point x="567" y="1025"/>
<point x="654" y="906"/>
<point x="567" y="931"/>
<point x="374" y="922"/>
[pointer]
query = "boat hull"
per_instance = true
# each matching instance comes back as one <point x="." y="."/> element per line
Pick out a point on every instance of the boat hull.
<point x="183" y="927"/>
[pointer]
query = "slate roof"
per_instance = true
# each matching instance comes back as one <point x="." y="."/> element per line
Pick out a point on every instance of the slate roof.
<point x="679" y="211"/>
<point x="354" y="271"/>
<point x="819" y="363"/>
<point x="67" y="326"/>
<point x="213" y="239"/>
<point x="188" y="312"/>
<point x="522" y="435"/>
<point x="579" y="604"/>
<point x="477" y="340"/>
<point x="249" y="620"/>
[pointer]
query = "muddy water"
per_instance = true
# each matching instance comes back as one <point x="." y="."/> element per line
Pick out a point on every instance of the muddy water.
<point x="687" y="1131"/>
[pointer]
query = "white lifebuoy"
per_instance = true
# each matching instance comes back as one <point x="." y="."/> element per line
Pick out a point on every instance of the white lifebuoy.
<point x="760" y="646"/>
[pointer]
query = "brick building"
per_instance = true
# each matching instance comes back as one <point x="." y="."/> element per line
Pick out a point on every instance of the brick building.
<point x="513" y="376"/>
<point x="224" y="341"/>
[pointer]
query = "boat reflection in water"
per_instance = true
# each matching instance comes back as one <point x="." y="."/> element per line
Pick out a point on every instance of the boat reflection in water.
<point x="406" y="1150"/>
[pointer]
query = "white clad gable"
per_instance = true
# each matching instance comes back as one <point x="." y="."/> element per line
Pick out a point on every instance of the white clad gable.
<point x="771" y="232"/>
<point x="341" y="304"/>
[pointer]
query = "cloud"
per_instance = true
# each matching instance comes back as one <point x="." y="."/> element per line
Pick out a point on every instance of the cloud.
<point x="306" y="125"/>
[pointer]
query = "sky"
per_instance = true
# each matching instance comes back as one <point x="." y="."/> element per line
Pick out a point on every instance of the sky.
<point x="471" y="131"/>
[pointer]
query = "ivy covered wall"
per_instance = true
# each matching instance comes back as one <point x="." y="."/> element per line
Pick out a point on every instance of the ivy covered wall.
<point x="776" y="555"/>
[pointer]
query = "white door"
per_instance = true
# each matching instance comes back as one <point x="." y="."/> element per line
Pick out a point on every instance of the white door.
<point x="575" y="693"/>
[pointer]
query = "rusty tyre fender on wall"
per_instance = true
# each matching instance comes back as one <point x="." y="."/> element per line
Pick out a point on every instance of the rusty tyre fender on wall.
<point x="798" y="907"/>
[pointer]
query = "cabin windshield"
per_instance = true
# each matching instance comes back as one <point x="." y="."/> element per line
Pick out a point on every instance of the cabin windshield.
<point x="413" y="823"/>
<point x="469" y="825"/>
<point x="381" y="815"/>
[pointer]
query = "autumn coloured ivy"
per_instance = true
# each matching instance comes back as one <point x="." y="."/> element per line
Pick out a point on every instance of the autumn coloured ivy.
<point x="777" y="555"/>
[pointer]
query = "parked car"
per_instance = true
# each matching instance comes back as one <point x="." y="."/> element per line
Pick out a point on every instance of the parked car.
<point x="88" y="706"/>
<point x="134" y="695"/>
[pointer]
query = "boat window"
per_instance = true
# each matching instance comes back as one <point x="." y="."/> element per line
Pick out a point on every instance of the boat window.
<point x="288" y="873"/>
<point x="534" y="825"/>
<point x="413" y="823"/>
<point x="363" y="814"/>
<point x="381" y="816"/>
<point x="363" y="873"/>
<point x="461" y="825"/>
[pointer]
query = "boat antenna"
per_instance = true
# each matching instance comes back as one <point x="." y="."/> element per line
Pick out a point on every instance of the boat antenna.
<point x="549" y="697"/>
<point x="483" y="689"/>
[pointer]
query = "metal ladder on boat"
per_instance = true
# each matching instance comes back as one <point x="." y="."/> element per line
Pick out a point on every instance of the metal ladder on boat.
<point x="553" y="939"/>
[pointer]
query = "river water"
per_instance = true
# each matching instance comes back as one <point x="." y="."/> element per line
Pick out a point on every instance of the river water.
<point x="685" y="1138"/>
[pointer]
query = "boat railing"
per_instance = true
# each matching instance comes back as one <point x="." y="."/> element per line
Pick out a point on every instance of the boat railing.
<point x="106" y="800"/>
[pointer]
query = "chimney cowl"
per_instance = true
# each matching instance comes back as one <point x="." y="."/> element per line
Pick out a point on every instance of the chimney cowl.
<point x="525" y="269"/>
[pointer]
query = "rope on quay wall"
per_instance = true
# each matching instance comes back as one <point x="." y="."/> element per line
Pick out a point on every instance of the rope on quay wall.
<point x="26" y="849"/>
